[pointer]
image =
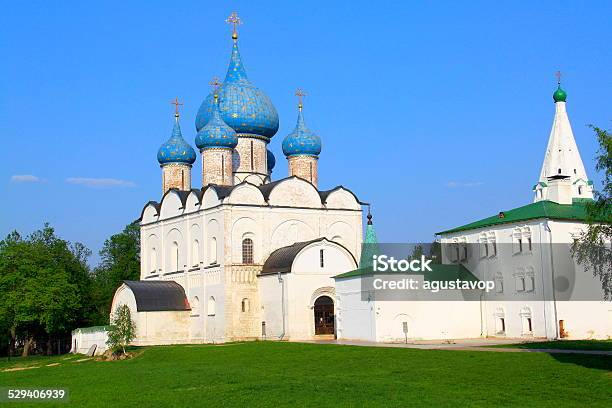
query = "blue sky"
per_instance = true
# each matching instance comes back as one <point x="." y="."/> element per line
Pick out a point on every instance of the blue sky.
<point x="437" y="114"/>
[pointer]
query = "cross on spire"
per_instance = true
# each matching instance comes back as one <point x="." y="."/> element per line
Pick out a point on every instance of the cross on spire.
<point x="176" y="104"/>
<point x="558" y="75"/>
<point x="215" y="86"/>
<point x="235" y="21"/>
<point x="300" y="94"/>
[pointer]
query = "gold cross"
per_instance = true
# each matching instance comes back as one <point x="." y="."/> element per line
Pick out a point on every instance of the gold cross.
<point x="300" y="94"/>
<point x="215" y="83"/>
<point x="235" y="21"/>
<point x="176" y="104"/>
<point x="558" y="75"/>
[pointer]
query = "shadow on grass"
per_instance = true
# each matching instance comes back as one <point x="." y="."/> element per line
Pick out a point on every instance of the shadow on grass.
<point x="597" y="362"/>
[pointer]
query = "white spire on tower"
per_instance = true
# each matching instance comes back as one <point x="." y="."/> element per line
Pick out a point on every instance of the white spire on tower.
<point x="562" y="162"/>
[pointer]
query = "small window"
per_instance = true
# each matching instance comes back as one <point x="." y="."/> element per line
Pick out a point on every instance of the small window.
<point x="559" y="171"/>
<point x="153" y="261"/>
<point x="212" y="251"/>
<point x="520" y="245"/>
<point x="520" y="283"/>
<point x="579" y="190"/>
<point x="529" y="243"/>
<point x="195" y="253"/>
<point x="529" y="325"/>
<point x="175" y="257"/>
<point x="321" y="258"/>
<point x="245" y="305"/>
<point x="211" y="306"/>
<point x="247" y="251"/>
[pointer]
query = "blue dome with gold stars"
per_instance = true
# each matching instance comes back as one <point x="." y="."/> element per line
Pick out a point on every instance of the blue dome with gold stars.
<point x="271" y="160"/>
<point x="301" y="141"/>
<point x="242" y="106"/>
<point x="176" y="149"/>
<point x="216" y="133"/>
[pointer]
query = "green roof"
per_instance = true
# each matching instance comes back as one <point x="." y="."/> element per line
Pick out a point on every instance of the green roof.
<point x="542" y="209"/>
<point x="439" y="272"/>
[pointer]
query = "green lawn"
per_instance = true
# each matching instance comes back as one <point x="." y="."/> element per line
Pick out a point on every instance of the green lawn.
<point x="291" y="374"/>
<point x="602" y="345"/>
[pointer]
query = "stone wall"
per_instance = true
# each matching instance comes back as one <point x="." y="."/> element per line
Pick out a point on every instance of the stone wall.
<point x="176" y="175"/>
<point x="217" y="167"/>
<point x="304" y="167"/>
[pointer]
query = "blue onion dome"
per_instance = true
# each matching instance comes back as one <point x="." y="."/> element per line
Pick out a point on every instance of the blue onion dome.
<point x="301" y="141"/>
<point x="243" y="106"/>
<point x="176" y="149"/>
<point x="216" y="133"/>
<point x="271" y="160"/>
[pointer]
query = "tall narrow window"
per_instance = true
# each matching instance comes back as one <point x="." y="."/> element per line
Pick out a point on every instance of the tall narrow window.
<point x="252" y="155"/>
<point x="183" y="179"/>
<point x="579" y="190"/>
<point x="211" y="306"/>
<point x="247" y="251"/>
<point x="195" y="253"/>
<point x="529" y="243"/>
<point x="174" y="257"/>
<point x="222" y="168"/>
<point x="322" y="258"/>
<point x="520" y="245"/>
<point x="153" y="261"/>
<point x="212" y="250"/>
<point x="310" y="171"/>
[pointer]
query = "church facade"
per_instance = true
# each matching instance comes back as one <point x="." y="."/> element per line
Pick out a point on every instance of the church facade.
<point x="242" y="256"/>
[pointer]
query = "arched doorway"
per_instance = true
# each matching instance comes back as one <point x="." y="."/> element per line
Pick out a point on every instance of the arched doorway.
<point x="324" y="315"/>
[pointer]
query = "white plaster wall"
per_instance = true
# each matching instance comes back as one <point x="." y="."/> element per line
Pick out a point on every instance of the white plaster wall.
<point x="354" y="316"/>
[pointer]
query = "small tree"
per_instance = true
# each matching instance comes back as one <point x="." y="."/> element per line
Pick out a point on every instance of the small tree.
<point x="122" y="329"/>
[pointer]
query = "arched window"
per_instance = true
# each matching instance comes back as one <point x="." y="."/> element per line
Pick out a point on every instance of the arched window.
<point x="153" y="260"/>
<point x="247" y="251"/>
<point x="579" y="190"/>
<point x="195" y="253"/>
<point x="211" y="306"/>
<point x="246" y="306"/>
<point x="195" y="306"/>
<point x="526" y="320"/>
<point x="500" y="321"/>
<point x="174" y="257"/>
<point x="212" y="251"/>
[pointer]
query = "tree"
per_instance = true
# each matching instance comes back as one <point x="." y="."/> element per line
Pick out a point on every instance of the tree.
<point x="592" y="249"/>
<point x="122" y="329"/>
<point x="44" y="281"/>
<point x="120" y="260"/>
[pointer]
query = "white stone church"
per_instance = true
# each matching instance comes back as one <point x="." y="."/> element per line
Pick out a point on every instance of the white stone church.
<point x="244" y="257"/>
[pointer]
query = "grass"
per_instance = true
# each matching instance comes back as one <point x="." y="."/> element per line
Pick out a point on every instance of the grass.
<point x="601" y="345"/>
<point x="291" y="374"/>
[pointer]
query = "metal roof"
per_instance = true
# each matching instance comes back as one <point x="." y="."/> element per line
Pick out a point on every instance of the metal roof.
<point x="157" y="296"/>
<point x="281" y="259"/>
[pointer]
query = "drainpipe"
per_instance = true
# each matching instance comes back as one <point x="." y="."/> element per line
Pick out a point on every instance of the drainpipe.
<point x="282" y="283"/>
<point x="552" y="269"/>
